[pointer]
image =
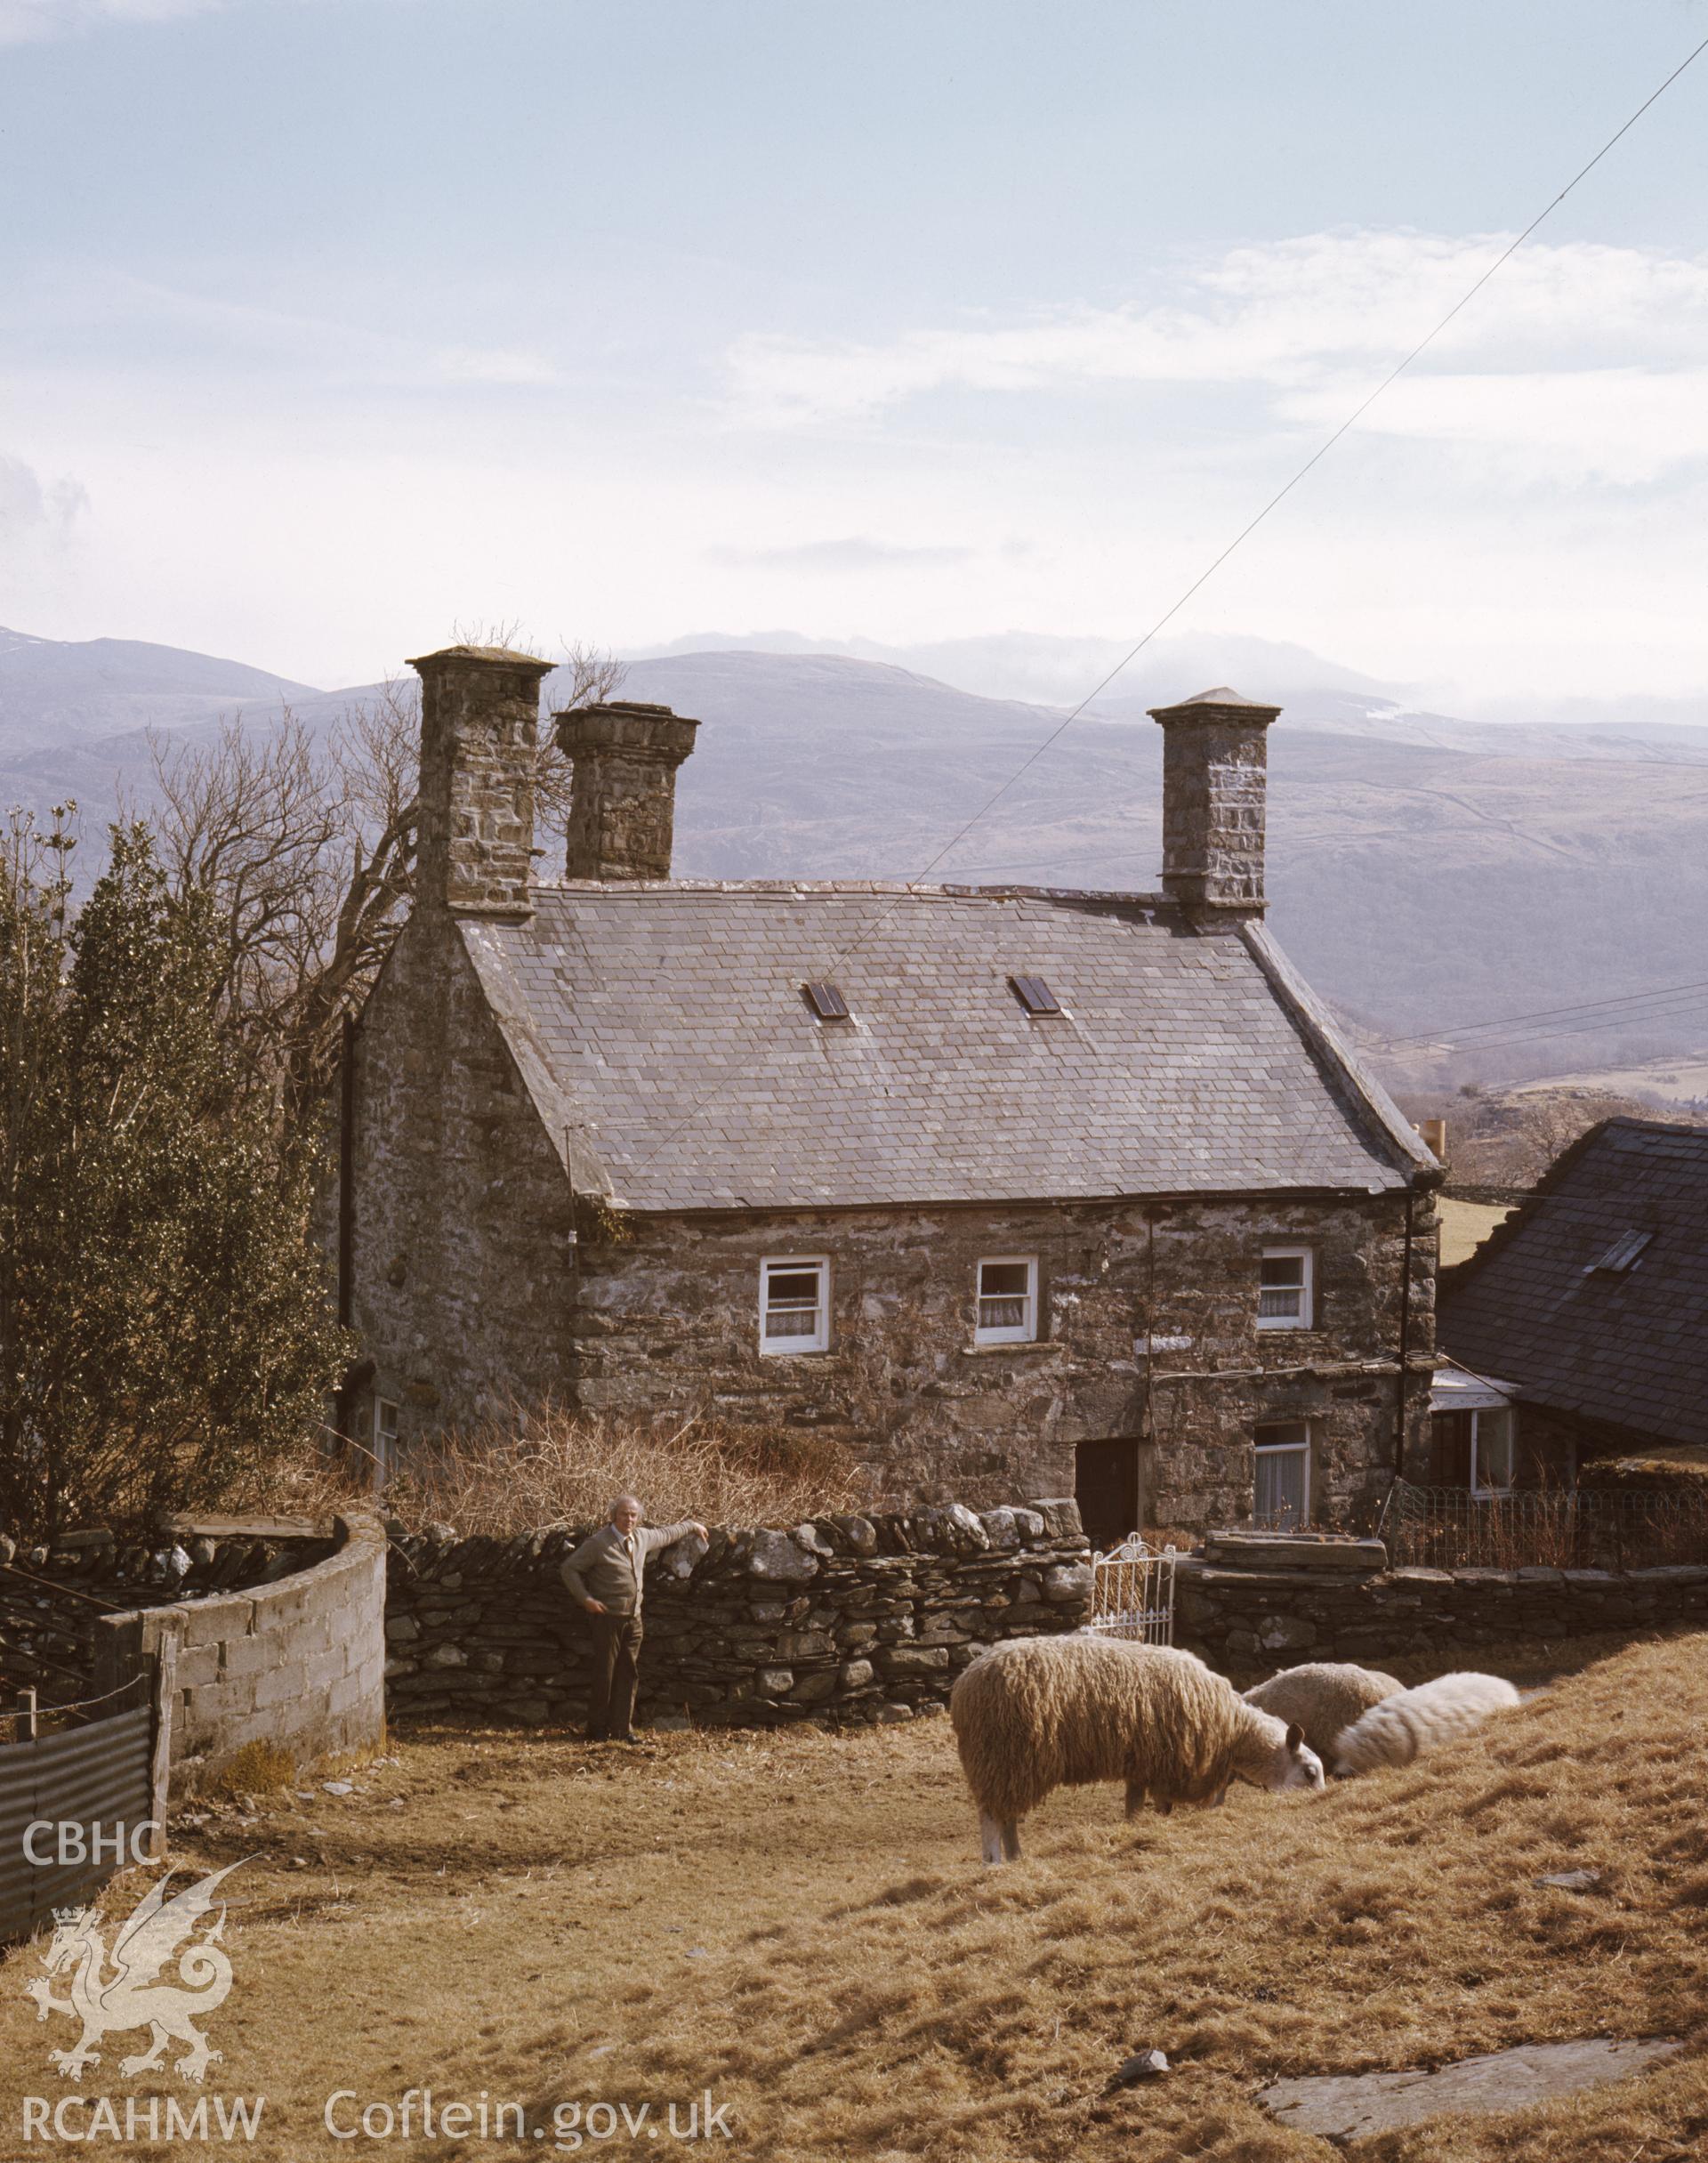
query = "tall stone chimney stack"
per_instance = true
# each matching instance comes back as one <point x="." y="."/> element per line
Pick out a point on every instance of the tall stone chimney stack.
<point x="1215" y="772"/>
<point x="623" y="793"/>
<point x="479" y="726"/>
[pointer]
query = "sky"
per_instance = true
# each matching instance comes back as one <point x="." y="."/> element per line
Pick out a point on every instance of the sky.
<point x="330" y="326"/>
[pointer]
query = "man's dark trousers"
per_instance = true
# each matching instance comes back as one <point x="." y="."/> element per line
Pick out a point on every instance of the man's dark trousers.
<point x="617" y="1661"/>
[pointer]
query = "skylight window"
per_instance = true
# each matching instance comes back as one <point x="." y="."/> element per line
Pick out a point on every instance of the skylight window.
<point x="827" y="1003"/>
<point x="1035" y="996"/>
<point x="1621" y="1256"/>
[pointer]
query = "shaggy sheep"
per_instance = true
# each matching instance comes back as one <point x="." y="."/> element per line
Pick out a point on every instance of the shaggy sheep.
<point x="1324" y="1697"/>
<point x="1403" y="1727"/>
<point x="1042" y="1712"/>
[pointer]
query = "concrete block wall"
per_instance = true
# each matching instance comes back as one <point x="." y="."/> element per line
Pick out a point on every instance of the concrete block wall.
<point x="297" y="1663"/>
<point x="846" y="1619"/>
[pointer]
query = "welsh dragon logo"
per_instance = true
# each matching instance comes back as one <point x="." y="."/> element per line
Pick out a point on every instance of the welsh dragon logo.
<point x="132" y="1995"/>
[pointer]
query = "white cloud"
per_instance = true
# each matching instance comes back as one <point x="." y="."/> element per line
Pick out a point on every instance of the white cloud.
<point x="1313" y="321"/>
<point x="24" y="22"/>
<point x="1623" y="426"/>
<point x="467" y="364"/>
<point x="854" y="553"/>
<point x="32" y="21"/>
<point x="31" y="510"/>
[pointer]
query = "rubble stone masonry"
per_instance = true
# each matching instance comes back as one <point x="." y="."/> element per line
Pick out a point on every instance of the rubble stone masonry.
<point x="847" y="1618"/>
<point x="1248" y="1623"/>
<point x="1147" y="1315"/>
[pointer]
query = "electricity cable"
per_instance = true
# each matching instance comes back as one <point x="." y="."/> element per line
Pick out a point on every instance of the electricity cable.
<point x="1506" y="254"/>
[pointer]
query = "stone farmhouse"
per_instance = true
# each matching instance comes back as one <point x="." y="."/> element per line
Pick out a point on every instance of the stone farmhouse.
<point x="1020" y="1190"/>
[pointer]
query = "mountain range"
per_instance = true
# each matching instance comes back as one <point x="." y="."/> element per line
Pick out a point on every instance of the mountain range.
<point x="1424" y="870"/>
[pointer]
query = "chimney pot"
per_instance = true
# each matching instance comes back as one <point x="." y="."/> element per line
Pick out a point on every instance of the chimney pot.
<point x="623" y="793"/>
<point x="1214" y="783"/>
<point x="479" y="727"/>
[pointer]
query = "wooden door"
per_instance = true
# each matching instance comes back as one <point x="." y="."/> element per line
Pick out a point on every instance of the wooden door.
<point x="1106" y="1486"/>
<point x="1450" y="1449"/>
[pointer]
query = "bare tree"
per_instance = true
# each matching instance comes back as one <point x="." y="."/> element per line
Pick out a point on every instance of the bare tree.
<point x="306" y="849"/>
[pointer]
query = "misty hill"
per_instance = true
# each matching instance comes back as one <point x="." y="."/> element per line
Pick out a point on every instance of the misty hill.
<point x="52" y="690"/>
<point x="1047" y="671"/>
<point x="1423" y="870"/>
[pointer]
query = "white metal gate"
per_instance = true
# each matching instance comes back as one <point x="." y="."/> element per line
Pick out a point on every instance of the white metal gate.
<point x="1132" y="1593"/>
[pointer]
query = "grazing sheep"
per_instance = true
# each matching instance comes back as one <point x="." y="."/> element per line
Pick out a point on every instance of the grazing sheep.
<point x="1042" y="1712"/>
<point x="1403" y="1727"/>
<point x="1324" y="1697"/>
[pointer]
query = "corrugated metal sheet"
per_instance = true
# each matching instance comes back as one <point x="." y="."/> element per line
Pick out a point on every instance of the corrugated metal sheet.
<point x="87" y="1776"/>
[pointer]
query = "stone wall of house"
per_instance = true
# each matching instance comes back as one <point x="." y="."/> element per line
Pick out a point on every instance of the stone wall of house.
<point x="847" y="1618"/>
<point x="1250" y="1622"/>
<point x="296" y="1662"/>
<point x="1149" y="1313"/>
<point x="463" y="1239"/>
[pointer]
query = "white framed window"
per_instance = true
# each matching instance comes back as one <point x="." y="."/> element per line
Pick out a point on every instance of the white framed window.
<point x="1008" y="1300"/>
<point x="1286" y="1288"/>
<point x="793" y="1305"/>
<point x="1491" y="1450"/>
<point x="1281" y="1494"/>
<point x="385" y="1439"/>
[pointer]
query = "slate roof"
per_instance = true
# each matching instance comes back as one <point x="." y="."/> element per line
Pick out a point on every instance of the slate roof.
<point x="1628" y="1346"/>
<point x="661" y="1031"/>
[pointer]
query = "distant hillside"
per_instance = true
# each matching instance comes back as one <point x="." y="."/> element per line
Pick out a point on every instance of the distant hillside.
<point x="51" y="690"/>
<point x="1423" y="870"/>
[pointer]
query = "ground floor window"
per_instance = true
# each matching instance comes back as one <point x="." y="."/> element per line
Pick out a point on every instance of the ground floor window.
<point x="385" y="1439"/>
<point x="1008" y="1300"/>
<point x="1473" y="1450"/>
<point x="1282" y="1497"/>
<point x="795" y="1305"/>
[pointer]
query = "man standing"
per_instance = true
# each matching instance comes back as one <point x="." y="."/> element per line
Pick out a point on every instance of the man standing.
<point x="605" y="1577"/>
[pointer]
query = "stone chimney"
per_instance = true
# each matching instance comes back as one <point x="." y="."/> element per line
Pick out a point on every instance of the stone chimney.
<point x="1214" y="775"/>
<point x="623" y="795"/>
<point x="479" y="725"/>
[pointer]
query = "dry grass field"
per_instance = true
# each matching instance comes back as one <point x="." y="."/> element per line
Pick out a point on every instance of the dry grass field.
<point x="797" y="1922"/>
<point x="1464" y="1226"/>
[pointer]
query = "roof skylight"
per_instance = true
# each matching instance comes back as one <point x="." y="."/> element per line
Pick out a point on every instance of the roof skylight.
<point x="1035" y="996"/>
<point x="827" y="1002"/>
<point x="1621" y="1254"/>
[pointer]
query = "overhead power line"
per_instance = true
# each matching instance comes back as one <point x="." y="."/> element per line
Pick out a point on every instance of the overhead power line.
<point x="1584" y="1029"/>
<point x="1458" y="1031"/>
<point x="847" y="953"/>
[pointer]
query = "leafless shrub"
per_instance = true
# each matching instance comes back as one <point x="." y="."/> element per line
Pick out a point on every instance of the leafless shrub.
<point x="306" y="846"/>
<point x="1554" y="1529"/>
<point x="564" y="1471"/>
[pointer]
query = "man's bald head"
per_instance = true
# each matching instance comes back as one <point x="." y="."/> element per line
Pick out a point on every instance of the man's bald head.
<point x="626" y="1514"/>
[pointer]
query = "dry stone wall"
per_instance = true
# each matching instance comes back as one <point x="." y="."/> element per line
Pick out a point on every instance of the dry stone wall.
<point x="52" y="1596"/>
<point x="845" y="1618"/>
<point x="1252" y="1621"/>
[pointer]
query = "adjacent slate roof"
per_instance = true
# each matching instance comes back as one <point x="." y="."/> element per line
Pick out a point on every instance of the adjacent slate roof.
<point x="662" y="1030"/>
<point x="1625" y="1345"/>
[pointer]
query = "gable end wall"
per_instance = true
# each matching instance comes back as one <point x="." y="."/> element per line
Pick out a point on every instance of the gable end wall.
<point x="462" y="1253"/>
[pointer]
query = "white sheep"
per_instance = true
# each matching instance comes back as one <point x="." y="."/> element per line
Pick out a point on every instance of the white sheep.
<point x="1324" y="1697"/>
<point x="1417" y="1721"/>
<point x="1038" y="1713"/>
